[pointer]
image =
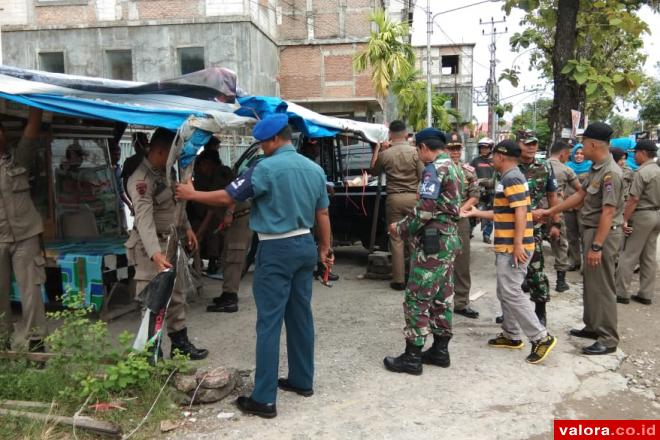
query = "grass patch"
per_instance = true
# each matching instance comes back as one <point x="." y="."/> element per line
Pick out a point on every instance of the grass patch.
<point x="87" y="369"/>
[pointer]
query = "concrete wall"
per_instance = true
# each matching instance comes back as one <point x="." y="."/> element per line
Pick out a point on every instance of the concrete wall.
<point x="237" y="45"/>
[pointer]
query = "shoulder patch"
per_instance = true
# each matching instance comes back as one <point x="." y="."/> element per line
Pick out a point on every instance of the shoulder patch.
<point x="607" y="183"/>
<point x="468" y="167"/>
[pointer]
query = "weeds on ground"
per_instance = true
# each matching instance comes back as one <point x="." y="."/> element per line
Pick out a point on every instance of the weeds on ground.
<point x="87" y="369"/>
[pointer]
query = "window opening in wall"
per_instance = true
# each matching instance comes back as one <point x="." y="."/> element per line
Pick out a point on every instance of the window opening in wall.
<point x="191" y="59"/>
<point x="51" y="62"/>
<point x="119" y="64"/>
<point x="450" y="64"/>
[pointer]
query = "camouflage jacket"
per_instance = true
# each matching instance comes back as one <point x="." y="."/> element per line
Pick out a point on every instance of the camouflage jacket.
<point x="469" y="182"/>
<point x="541" y="181"/>
<point x="439" y="199"/>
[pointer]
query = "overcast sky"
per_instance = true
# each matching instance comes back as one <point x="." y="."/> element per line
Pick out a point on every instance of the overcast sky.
<point x="463" y="27"/>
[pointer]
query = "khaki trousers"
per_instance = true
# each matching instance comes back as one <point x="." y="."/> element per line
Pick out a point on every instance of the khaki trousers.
<point x="574" y="236"/>
<point x="462" y="279"/>
<point x="560" y="250"/>
<point x="640" y="247"/>
<point x="26" y="260"/>
<point x="237" y="241"/>
<point x="145" y="271"/>
<point x="600" y="314"/>
<point x="398" y="206"/>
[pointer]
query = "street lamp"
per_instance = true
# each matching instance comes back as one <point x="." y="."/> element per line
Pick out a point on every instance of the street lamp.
<point x="429" y="30"/>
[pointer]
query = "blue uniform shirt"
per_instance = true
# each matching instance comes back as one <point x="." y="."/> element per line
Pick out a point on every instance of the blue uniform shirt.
<point x="286" y="190"/>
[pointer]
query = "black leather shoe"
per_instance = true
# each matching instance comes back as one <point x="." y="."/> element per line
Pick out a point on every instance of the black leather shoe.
<point x="226" y="298"/>
<point x="639" y="299"/>
<point x="250" y="406"/>
<point x="622" y="300"/>
<point x="486" y="239"/>
<point x="582" y="333"/>
<point x="397" y="286"/>
<point x="284" y="385"/>
<point x="225" y="308"/>
<point x="499" y="319"/>
<point x="467" y="312"/>
<point x="597" y="348"/>
<point x="409" y="362"/>
<point x="561" y="285"/>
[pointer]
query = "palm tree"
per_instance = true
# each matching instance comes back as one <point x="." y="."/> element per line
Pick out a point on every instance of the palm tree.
<point x="411" y="103"/>
<point x="388" y="53"/>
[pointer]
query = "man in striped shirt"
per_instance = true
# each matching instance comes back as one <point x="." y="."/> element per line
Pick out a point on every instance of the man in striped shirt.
<point x="514" y="245"/>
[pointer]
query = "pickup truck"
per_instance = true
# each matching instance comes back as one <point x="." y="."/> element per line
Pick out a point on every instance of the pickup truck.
<point x="345" y="160"/>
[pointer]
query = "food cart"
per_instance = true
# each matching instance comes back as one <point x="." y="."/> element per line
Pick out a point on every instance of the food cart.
<point x="74" y="185"/>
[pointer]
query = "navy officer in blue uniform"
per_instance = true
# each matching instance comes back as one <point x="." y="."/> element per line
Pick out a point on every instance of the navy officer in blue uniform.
<point x="288" y="193"/>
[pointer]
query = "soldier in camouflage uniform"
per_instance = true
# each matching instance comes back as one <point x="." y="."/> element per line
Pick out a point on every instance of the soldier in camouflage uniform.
<point x="542" y="185"/>
<point x="470" y="194"/>
<point x="432" y="229"/>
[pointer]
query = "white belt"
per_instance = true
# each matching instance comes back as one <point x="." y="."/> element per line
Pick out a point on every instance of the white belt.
<point x="294" y="233"/>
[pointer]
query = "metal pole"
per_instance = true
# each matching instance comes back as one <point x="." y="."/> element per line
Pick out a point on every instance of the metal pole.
<point x="429" y="30"/>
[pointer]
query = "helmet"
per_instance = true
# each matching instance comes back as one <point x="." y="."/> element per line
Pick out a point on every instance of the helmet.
<point x="486" y="141"/>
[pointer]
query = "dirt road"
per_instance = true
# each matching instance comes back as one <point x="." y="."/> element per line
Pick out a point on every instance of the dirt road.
<point x="485" y="394"/>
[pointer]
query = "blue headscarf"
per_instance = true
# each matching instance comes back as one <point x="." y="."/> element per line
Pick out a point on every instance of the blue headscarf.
<point x="579" y="168"/>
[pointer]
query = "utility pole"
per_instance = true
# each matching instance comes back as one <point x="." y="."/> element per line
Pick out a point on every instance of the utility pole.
<point x="429" y="31"/>
<point x="491" y="85"/>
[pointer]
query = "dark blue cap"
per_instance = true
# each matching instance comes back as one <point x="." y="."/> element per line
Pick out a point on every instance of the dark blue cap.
<point x="508" y="148"/>
<point x="430" y="133"/>
<point x="269" y="126"/>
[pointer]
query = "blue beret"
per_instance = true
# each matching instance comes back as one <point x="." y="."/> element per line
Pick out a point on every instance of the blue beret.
<point x="430" y="133"/>
<point x="269" y="126"/>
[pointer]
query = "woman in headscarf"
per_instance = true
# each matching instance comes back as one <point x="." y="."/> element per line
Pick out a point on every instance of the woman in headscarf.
<point x="571" y="217"/>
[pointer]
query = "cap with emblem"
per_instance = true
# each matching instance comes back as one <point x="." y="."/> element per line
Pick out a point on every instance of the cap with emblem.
<point x="269" y="126"/>
<point x="508" y="148"/>
<point x="647" y="145"/>
<point x="527" y="137"/>
<point x="430" y="133"/>
<point x="599" y="131"/>
<point x="485" y="142"/>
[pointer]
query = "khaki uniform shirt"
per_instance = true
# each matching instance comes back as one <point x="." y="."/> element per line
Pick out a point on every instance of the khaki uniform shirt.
<point x="628" y="176"/>
<point x="604" y="186"/>
<point x="565" y="177"/>
<point x="646" y="186"/>
<point x="19" y="219"/>
<point x="470" y="183"/>
<point x="154" y="204"/>
<point x="402" y="167"/>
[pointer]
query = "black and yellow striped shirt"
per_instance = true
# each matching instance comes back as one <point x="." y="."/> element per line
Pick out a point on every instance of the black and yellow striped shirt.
<point x="511" y="192"/>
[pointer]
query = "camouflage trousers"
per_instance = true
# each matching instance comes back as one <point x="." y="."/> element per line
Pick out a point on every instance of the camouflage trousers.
<point x="429" y="296"/>
<point x="536" y="279"/>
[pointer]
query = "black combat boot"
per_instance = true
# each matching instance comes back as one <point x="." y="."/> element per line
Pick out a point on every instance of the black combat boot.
<point x="438" y="354"/>
<point x="225" y="303"/>
<point x="181" y="342"/>
<point x="539" y="309"/>
<point x="561" y="282"/>
<point x="409" y="362"/>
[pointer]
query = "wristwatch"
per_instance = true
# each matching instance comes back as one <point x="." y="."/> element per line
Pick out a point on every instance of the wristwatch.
<point x="596" y="247"/>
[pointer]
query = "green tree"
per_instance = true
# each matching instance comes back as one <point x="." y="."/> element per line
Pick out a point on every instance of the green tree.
<point x="621" y="125"/>
<point x="411" y="103"/>
<point x="591" y="49"/>
<point x="649" y="98"/>
<point x="526" y="120"/>
<point x="387" y="54"/>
